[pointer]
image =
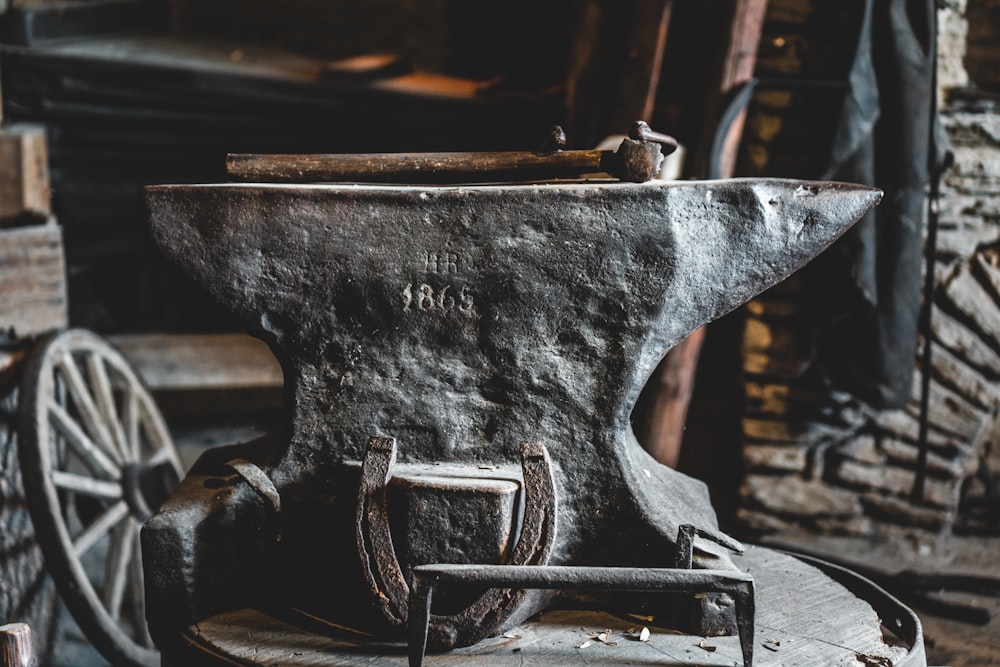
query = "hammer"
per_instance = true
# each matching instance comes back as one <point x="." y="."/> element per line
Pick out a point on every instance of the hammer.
<point x="637" y="159"/>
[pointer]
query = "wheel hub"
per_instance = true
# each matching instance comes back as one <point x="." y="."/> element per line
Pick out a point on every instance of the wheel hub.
<point x="146" y="487"/>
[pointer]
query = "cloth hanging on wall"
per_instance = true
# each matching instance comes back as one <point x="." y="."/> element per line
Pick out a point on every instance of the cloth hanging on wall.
<point x="864" y="294"/>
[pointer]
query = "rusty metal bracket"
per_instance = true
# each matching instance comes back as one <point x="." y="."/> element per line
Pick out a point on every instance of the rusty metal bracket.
<point x="684" y="547"/>
<point x="385" y="576"/>
<point x="560" y="577"/>
<point x="258" y="481"/>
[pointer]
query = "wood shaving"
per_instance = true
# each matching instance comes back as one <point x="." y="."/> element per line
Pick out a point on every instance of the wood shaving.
<point x="602" y="637"/>
<point x="640" y="617"/>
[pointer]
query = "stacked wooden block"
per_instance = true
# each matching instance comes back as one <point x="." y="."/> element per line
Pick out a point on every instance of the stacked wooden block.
<point x="32" y="267"/>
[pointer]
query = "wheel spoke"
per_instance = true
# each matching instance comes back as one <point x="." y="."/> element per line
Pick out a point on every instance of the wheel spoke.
<point x="101" y="384"/>
<point x="85" y="405"/>
<point x="159" y="456"/>
<point x="159" y="438"/>
<point x="81" y="444"/>
<point x="117" y="570"/>
<point x="107" y="520"/>
<point x="139" y="596"/>
<point x="88" y="486"/>
<point x="130" y="417"/>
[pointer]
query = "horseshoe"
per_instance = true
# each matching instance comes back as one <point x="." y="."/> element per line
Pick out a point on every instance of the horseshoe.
<point x="385" y="577"/>
<point x="378" y="557"/>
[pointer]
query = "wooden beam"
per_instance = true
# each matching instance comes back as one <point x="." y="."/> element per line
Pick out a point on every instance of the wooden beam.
<point x="178" y="362"/>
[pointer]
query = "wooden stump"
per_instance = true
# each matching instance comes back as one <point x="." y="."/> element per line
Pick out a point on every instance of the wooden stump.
<point x="804" y="619"/>
<point x="16" y="646"/>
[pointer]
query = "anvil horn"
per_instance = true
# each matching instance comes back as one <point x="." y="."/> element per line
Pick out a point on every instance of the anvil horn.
<point x="464" y="321"/>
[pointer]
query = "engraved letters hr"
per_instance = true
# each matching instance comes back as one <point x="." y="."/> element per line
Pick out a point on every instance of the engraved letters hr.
<point x="442" y="300"/>
<point x="441" y="262"/>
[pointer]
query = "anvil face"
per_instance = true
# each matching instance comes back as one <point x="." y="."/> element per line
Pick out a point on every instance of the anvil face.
<point x="466" y="321"/>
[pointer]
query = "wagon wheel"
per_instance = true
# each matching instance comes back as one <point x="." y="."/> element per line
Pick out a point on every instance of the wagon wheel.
<point x="97" y="461"/>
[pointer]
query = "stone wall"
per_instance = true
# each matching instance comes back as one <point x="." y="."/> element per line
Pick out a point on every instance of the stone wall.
<point x="817" y="460"/>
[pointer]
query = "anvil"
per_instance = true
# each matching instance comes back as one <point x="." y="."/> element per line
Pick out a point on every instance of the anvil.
<point x="501" y="330"/>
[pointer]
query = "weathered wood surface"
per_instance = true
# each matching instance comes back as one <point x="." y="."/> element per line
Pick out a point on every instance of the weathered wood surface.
<point x="177" y="362"/>
<point x="16" y="649"/>
<point x="417" y="167"/>
<point x="24" y="173"/>
<point x="803" y="618"/>
<point x="33" y="297"/>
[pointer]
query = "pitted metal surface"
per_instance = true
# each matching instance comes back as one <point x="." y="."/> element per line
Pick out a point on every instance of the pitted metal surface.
<point x="465" y="321"/>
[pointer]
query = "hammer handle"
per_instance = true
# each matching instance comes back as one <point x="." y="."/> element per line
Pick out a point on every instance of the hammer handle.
<point x="416" y="167"/>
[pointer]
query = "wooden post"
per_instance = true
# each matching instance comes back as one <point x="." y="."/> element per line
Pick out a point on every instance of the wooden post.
<point x="16" y="648"/>
<point x="617" y="55"/>
<point x="674" y="378"/>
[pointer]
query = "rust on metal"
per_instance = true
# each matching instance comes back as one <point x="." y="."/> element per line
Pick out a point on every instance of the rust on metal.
<point x="378" y="557"/>
<point x="381" y="566"/>
<point x="737" y="584"/>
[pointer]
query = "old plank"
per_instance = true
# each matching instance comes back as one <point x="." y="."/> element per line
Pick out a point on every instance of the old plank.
<point x="948" y="411"/>
<point x="896" y="481"/>
<point x="24" y="174"/>
<point x="177" y="362"/>
<point x="903" y="511"/>
<point x="984" y="266"/>
<point x="967" y="296"/>
<point x="863" y="449"/>
<point x="799" y="431"/>
<point x="33" y="297"/>
<point x="937" y="465"/>
<point x="966" y="344"/>
<point x="795" y="496"/>
<point x="904" y="425"/>
<point x="963" y="379"/>
<point x="774" y="457"/>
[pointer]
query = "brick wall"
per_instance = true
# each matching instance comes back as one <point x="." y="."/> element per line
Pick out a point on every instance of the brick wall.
<point x="820" y="461"/>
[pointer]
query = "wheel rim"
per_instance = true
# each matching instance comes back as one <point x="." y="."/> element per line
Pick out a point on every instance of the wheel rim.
<point x="97" y="460"/>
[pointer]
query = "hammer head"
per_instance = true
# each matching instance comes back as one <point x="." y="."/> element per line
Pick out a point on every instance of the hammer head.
<point x="636" y="160"/>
